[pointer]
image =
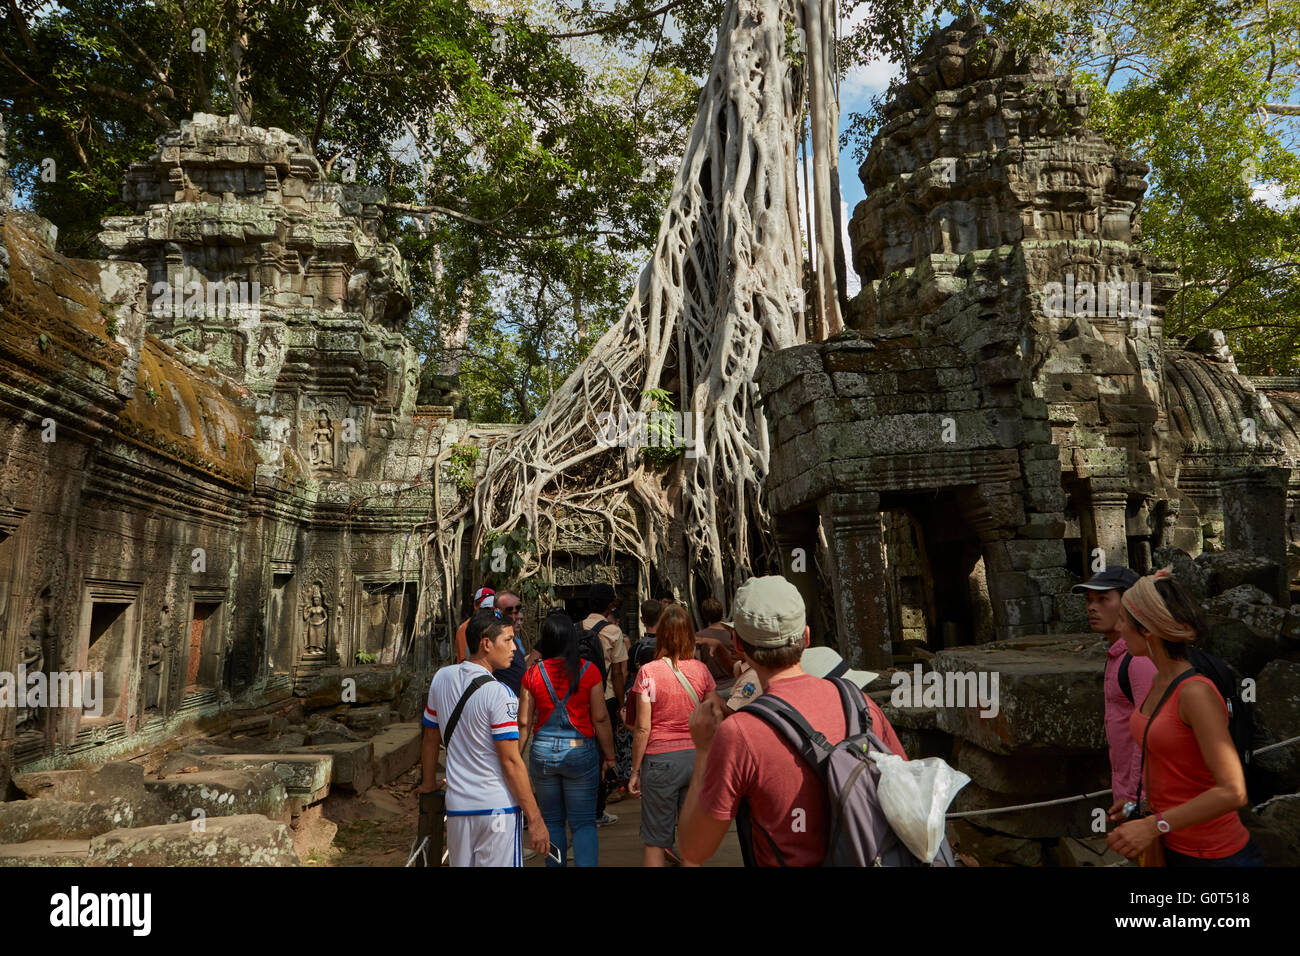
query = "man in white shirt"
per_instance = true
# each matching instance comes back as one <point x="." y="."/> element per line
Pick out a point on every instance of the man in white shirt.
<point x="487" y="781"/>
<point x="603" y="605"/>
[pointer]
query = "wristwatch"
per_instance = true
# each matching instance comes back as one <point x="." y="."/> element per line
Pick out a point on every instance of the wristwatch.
<point x="1162" y="824"/>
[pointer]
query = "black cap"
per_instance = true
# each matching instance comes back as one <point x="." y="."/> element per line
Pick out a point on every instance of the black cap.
<point x="599" y="597"/>
<point x="1116" y="578"/>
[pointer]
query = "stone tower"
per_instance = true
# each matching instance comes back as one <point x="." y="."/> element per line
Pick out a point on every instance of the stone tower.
<point x="998" y="426"/>
<point x="281" y="279"/>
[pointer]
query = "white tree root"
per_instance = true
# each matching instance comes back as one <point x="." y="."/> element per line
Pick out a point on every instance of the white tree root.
<point x="724" y="285"/>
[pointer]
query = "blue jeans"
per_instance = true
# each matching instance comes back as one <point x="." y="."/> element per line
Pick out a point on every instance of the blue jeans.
<point x="564" y="779"/>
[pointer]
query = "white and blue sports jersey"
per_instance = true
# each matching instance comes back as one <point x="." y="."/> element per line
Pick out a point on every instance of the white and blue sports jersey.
<point x="475" y="782"/>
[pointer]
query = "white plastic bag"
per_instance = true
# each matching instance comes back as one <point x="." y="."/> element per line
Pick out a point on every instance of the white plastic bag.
<point x="915" y="795"/>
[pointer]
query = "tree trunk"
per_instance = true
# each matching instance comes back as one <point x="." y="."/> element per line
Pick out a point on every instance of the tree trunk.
<point x="239" y="72"/>
<point x="719" y="291"/>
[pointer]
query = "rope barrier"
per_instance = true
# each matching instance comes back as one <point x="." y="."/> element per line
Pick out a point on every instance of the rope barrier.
<point x="1015" y="808"/>
<point x="1281" y="743"/>
<point x="1027" y="806"/>
<point x="419" y="851"/>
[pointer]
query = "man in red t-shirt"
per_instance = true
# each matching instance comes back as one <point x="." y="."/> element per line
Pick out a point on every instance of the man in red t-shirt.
<point x="744" y="758"/>
<point x="480" y="601"/>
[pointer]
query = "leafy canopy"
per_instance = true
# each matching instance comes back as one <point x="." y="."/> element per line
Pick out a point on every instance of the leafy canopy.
<point x="1198" y="90"/>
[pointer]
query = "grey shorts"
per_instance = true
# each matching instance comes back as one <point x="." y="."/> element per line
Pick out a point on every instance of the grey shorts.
<point x="665" y="778"/>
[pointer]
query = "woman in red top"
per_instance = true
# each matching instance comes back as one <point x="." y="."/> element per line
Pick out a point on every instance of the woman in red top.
<point x="1192" y="777"/>
<point x="565" y="697"/>
<point x="668" y="689"/>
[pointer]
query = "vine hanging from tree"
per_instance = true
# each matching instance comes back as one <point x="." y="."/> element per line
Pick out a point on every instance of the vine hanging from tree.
<point x="724" y="285"/>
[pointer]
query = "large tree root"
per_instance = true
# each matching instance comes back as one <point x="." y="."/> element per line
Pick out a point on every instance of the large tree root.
<point x="725" y="284"/>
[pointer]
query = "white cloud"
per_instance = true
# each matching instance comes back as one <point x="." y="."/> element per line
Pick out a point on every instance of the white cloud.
<point x="863" y="82"/>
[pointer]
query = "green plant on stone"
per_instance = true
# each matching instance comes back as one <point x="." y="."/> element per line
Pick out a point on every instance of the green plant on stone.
<point x="505" y="555"/>
<point x="364" y="658"/>
<point x="459" y="467"/>
<point x="663" y="444"/>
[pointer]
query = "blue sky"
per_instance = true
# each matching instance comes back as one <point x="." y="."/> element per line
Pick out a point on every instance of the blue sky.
<point x="856" y="91"/>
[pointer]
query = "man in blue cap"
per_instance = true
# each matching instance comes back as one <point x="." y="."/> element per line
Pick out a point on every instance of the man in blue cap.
<point x="1127" y="679"/>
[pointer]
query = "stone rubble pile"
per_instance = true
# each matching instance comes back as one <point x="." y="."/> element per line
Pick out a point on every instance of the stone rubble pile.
<point x="258" y="794"/>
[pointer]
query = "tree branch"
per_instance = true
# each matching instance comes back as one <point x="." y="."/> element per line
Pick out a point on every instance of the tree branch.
<point x="70" y="134"/>
<point x="615" y="22"/>
<point x="166" y="92"/>
<point x="1282" y="109"/>
<point x="488" y="223"/>
<point x="20" y="22"/>
<point x="155" y="114"/>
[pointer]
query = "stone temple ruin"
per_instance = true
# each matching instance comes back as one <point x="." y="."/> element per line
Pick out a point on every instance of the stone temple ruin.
<point x="216" y="466"/>
<point x="221" y="474"/>
<point x="977" y="441"/>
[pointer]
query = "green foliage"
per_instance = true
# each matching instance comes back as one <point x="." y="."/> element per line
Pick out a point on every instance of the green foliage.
<point x="663" y="444"/>
<point x="526" y="175"/>
<point x="505" y="555"/>
<point x="459" y="467"/>
<point x="364" y="658"/>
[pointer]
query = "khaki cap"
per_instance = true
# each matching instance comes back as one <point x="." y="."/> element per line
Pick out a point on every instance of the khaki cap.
<point x="768" y="612"/>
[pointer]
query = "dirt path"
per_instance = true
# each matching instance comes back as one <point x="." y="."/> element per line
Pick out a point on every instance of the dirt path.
<point x="376" y="829"/>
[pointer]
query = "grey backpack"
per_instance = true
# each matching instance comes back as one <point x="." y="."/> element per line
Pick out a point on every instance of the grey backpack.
<point x="859" y="834"/>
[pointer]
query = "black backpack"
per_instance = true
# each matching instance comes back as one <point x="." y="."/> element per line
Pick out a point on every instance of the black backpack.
<point x="857" y="832"/>
<point x="589" y="647"/>
<point x="643" y="652"/>
<point x="1241" y="713"/>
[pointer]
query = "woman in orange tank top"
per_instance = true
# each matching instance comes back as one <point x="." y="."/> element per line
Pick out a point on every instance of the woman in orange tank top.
<point x="1192" y="778"/>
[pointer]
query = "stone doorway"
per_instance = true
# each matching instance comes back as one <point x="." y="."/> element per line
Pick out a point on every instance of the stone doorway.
<point x="281" y="621"/>
<point x="109" y="646"/>
<point x="937" y="589"/>
<point x="387" y="619"/>
<point x="203" y="661"/>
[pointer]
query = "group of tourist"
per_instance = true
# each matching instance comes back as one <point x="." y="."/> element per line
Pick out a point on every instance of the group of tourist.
<point x="609" y="716"/>
<point x="1167" y="728"/>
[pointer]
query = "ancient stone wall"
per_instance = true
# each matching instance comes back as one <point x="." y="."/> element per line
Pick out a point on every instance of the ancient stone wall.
<point x="215" y="464"/>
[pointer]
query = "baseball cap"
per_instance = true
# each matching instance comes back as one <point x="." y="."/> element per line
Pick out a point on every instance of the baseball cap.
<point x="481" y="593"/>
<point x="768" y="612"/>
<point x="488" y="602"/>
<point x="826" y="662"/>
<point x="1115" y="578"/>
